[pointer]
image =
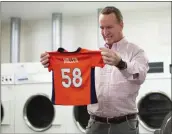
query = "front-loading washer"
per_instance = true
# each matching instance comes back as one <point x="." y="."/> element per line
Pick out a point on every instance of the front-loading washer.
<point x="7" y="98"/>
<point x="34" y="111"/>
<point x="154" y="98"/>
<point x="77" y="119"/>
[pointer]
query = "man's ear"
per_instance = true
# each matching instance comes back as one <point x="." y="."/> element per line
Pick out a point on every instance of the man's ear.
<point x="121" y="24"/>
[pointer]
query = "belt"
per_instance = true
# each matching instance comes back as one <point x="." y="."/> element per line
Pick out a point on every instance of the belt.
<point x="115" y="120"/>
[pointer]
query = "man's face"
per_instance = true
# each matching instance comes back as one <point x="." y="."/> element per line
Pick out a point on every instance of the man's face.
<point x="111" y="29"/>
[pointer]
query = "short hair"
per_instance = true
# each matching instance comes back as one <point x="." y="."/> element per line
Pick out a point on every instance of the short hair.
<point x="111" y="9"/>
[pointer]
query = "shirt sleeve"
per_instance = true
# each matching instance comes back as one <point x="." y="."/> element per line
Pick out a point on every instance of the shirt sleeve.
<point x="51" y="58"/>
<point x="137" y="68"/>
<point x="50" y="68"/>
<point x="97" y="59"/>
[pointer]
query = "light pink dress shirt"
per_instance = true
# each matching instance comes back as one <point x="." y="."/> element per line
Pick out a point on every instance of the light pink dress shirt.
<point x="117" y="89"/>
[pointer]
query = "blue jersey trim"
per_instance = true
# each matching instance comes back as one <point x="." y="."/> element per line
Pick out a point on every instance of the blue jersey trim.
<point x="53" y="92"/>
<point x="93" y="89"/>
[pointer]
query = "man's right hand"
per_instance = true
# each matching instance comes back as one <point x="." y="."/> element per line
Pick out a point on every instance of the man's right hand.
<point x="44" y="59"/>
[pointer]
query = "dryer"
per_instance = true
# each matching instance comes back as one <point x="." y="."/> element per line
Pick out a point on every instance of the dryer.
<point x="34" y="111"/>
<point x="77" y="119"/>
<point x="154" y="98"/>
<point x="7" y="98"/>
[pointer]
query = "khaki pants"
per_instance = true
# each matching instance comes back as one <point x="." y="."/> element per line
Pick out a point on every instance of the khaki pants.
<point x="127" y="127"/>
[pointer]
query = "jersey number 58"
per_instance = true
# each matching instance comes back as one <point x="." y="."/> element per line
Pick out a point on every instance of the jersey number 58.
<point x="76" y="73"/>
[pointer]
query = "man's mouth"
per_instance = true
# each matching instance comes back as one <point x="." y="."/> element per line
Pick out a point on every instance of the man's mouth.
<point x="108" y="38"/>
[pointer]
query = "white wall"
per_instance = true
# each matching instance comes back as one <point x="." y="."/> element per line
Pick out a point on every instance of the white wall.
<point x="35" y="37"/>
<point x="5" y="42"/>
<point x="150" y="29"/>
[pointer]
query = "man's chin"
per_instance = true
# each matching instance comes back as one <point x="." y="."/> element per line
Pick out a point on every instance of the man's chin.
<point x="109" y="42"/>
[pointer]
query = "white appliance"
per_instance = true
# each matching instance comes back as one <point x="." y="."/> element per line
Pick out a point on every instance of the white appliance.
<point x="77" y="119"/>
<point x="154" y="99"/>
<point x="34" y="111"/>
<point x="7" y="98"/>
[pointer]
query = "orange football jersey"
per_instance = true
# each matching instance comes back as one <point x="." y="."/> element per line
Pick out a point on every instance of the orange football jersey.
<point x="73" y="76"/>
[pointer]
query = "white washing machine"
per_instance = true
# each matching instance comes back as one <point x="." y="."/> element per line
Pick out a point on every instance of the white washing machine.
<point x="7" y="98"/>
<point x="34" y="111"/>
<point x="154" y="98"/>
<point x="77" y="119"/>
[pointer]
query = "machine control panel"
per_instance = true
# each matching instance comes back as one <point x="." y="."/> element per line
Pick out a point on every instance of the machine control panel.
<point x="7" y="79"/>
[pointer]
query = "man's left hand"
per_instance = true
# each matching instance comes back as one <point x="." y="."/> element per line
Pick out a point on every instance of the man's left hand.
<point x="110" y="57"/>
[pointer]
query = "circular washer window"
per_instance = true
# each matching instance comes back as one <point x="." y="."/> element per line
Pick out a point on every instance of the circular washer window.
<point x="153" y="108"/>
<point x="39" y="113"/>
<point x="2" y="112"/>
<point x="81" y="116"/>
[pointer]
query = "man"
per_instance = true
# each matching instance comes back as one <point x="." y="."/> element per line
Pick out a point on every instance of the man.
<point x="118" y="83"/>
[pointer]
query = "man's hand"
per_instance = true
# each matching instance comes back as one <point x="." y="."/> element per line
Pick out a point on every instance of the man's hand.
<point x="44" y="59"/>
<point x="110" y="57"/>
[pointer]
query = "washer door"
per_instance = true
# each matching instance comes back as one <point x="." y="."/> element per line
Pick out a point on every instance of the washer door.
<point x="2" y="113"/>
<point x="39" y="113"/>
<point x="152" y="110"/>
<point x="81" y="117"/>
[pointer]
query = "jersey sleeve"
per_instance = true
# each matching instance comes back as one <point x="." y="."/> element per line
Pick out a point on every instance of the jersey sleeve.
<point x="50" y="66"/>
<point x="52" y="59"/>
<point x="97" y="59"/>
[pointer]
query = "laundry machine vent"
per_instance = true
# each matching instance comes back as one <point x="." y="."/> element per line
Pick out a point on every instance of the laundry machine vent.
<point x="156" y="67"/>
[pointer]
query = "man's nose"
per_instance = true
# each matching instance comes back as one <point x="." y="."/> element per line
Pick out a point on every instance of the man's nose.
<point x="106" y="32"/>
